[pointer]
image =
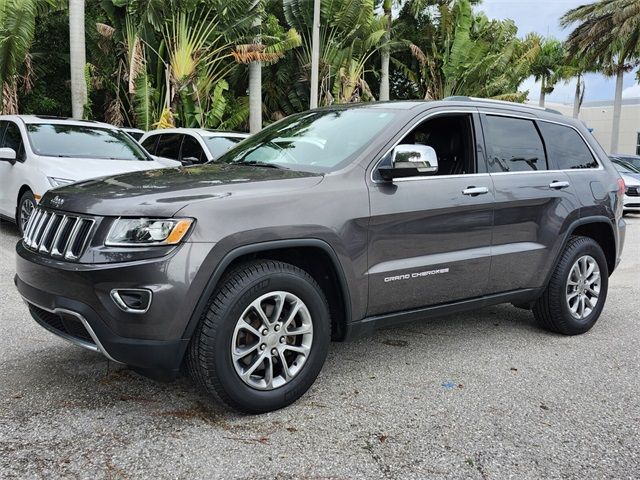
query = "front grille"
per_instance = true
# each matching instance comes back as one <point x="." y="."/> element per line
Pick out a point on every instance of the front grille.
<point x="633" y="191"/>
<point x="66" y="325"/>
<point x="58" y="235"/>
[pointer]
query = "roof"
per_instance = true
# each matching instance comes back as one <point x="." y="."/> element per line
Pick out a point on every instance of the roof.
<point x="32" y="119"/>
<point x="203" y="132"/>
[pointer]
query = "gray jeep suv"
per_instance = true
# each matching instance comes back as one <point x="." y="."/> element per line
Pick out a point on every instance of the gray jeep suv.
<point x="327" y="225"/>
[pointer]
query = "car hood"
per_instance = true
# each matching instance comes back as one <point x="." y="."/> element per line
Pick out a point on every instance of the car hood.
<point x="164" y="192"/>
<point x="84" y="168"/>
<point x="631" y="179"/>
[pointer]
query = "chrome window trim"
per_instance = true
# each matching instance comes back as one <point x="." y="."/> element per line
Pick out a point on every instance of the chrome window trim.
<point x="472" y="110"/>
<point x="98" y="347"/>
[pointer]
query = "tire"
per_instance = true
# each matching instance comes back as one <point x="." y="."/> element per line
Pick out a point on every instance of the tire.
<point x="210" y="357"/>
<point x="552" y="310"/>
<point x="26" y="204"/>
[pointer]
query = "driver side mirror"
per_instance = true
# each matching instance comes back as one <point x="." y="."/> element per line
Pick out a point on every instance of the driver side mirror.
<point x="8" y="155"/>
<point x="410" y="161"/>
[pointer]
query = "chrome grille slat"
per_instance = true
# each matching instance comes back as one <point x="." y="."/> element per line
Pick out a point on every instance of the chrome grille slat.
<point x="57" y="234"/>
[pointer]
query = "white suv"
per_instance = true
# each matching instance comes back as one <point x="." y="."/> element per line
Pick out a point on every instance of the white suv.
<point x="190" y="146"/>
<point x="40" y="153"/>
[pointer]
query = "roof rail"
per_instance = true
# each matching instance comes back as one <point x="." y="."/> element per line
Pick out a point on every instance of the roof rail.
<point x="501" y="102"/>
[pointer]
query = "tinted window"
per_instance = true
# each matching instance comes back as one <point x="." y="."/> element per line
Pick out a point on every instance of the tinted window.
<point x="513" y="145"/>
<point x="74" y="141"/>
<point x="13" y="139"/>
<point x="191" y="148"/>
<point x="565" y="147"/>
<point x="219" y="145"/>
<point x="169" y="146"/>
<point x="150" y="144"/>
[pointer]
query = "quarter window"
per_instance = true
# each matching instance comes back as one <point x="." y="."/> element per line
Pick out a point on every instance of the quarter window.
<point x="150" y="144"/>
<point x="514" y="145"/>
<point x="566" y="148"/>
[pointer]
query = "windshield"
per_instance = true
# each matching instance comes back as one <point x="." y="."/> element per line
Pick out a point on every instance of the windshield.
<point x="74" y="141"/>
<point x="219" y="145"/>
<point x="319" y="141"/>
<point x="624" y="167"/>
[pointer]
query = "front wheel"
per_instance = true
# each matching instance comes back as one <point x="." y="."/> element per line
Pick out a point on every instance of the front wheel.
<point x="264" y="338"/>
<point x="575" y="296"/>
<point x="26" y="206"/>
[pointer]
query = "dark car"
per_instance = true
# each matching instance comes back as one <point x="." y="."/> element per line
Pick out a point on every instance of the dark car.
<point x="327" y="225"/>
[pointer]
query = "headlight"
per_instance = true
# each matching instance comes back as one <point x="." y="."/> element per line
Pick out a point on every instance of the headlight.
<point x="144" y="232"/>
<point x="59" y="182"/>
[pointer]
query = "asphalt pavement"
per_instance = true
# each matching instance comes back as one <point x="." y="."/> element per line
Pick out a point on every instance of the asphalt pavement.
<point x="484" y="395"/>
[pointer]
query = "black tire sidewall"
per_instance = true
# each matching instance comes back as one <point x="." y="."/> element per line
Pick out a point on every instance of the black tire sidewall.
<point x="28" y="195"/>
<point x="241" y="394"/>
<point x="591" y="248"/>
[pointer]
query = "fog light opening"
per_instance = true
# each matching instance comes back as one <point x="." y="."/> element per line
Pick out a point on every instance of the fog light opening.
<point x="132" y="300"/>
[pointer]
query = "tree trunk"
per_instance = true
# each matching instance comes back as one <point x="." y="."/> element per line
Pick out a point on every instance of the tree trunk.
<point x="578" y="97"/>
<point x="386" y="53"/>
<point x="543" y="87"/>
<point x="617" y="111"/>
<point x="315" y="55"/>
<point x="255" y="85"/>
<point x="78" y="58"/>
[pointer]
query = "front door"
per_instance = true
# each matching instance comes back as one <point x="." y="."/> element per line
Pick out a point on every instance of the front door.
<point x="430" y="237"/>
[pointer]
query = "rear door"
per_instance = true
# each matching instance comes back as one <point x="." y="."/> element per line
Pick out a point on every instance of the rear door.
<point x="533" y="202"/>
<point x="430" y="237"/>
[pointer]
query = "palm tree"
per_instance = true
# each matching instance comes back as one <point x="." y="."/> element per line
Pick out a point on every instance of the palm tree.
<point x="255" y="83"/>
<point x="387" y="7"/>
<point x="546" y="66"/>
<point x="17" y="27"/>
<point x="315" y="54"/>
<point x="78" y="58"/>
<point x="608" y="32"/>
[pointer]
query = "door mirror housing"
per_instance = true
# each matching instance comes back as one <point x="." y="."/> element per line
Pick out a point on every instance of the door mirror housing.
<point x="8" y="155"/>
<point x="190" y="161"/>
<point x="410" y="161"/>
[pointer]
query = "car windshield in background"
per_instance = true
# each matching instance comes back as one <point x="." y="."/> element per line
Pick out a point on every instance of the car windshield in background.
<point x="76" y="141"/>
<point x="624" y="167"/>
<point x="320" y="141"/>
<point x="221" y="145"/>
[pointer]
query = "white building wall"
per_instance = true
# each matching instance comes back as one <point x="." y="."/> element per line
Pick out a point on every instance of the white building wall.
<point x="599" y="117"/>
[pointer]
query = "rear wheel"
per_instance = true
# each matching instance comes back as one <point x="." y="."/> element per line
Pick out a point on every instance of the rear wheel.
<point x="577" y="291"/>
<point x="264" y="338"/>
<point x="26" y="206"/>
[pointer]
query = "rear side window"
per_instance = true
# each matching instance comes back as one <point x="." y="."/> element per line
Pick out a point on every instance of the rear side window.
<point x="513" y="145"/>
<point x="13" y="139"/>
<point x="566" y="148"/>
<point x="169" y="146"/>
<point x="150" y="144"/>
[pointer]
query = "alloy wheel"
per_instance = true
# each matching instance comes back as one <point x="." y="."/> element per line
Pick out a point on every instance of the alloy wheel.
<point x="272" y="340"/>
<point x="583" y="287"/>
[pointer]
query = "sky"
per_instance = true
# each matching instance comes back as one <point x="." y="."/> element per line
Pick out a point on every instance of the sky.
<point x="543" y="17"/>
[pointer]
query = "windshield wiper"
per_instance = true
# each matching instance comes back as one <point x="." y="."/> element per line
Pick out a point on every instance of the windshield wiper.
<point x="255" y="163"/>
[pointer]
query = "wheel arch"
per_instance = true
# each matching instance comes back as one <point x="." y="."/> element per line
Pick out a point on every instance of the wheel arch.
<point x="290" y="251"/>
<point x="23" y="189"/>
<point x="599" y="229"/>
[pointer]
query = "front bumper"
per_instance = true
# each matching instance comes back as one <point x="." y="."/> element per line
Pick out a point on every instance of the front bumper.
<point x="74" y="302"/>
<point x="631" y="203"/>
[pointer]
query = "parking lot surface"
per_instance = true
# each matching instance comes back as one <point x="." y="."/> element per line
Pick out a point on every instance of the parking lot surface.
<point x="480" y="395"/>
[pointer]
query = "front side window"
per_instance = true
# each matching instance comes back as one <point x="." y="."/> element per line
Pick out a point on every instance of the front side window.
<point x="513" y="145"/>
<point x="79" y="141"/>
<point x="169" y="146"/>
<point x="566" y="148"/>
<point x="320" y="141"/>
<point x="13" y="139"/>
<point x="192" y="151"/>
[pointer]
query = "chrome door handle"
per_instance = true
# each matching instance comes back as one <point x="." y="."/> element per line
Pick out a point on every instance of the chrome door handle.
<point x="473" y="191"/>
<point x="558" y="185"/>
